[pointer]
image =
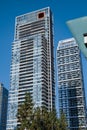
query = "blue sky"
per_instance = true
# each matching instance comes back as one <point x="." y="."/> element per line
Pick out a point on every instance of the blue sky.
<point x="63" y="10"/>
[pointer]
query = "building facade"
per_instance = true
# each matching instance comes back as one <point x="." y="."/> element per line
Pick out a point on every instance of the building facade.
<point x="3" y="106"/>
<point x="79" y="31"/>
<point x="70" y="84"/>
<point x="32" y="68"/>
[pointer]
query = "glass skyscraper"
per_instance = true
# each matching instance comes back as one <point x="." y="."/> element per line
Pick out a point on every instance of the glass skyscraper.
<point x="32" y="68"/>
<point x="70" y="84"/>
<point x="3" y="106"/>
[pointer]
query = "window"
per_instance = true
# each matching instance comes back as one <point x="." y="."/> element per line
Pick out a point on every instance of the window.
<point x="41" y="15"/>
<point x="85" y="39"/>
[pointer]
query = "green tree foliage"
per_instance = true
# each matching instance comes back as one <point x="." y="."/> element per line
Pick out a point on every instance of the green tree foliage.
<point x="25" y="113"/>
<point x="62" y="122"/>
<point x="38" y="119"/>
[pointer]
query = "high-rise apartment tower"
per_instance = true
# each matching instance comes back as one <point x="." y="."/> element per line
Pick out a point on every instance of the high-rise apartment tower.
<point x="70" y="84"/>
<point x="3" y="106"/>
<point x="32" y="68"/>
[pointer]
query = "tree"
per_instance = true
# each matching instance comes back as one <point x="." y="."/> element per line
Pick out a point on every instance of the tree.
<point x="25" y="113"/>
<point x="36" y="123"/>
<point x="38" y="118"/>
<point x="62" y="122"/>
<point x="52" y="120"/>
<point x="44" y="120"/>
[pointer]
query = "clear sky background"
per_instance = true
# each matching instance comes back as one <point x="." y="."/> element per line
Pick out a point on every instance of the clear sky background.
<point x="63" y="10"/>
